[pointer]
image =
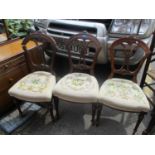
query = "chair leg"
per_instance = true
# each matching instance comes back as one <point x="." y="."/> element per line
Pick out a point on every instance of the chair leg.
<point x="151" y="124"/>
<point x="99" y="110"/>
<point x="51" y="111"/>
<point x="140" y="118"/>
<point x="56" y="104"/>
<point x="94" y="108"/>
<point x="17" y="104"/>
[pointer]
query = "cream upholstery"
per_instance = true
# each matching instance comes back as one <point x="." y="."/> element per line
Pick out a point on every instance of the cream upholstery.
<point x="77" y="87"/>
<point x="123" y="95"/>
<point x="35" y="87"/>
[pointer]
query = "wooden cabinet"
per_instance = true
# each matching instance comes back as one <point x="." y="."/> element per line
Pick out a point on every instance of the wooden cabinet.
<point x="12" y="68"/>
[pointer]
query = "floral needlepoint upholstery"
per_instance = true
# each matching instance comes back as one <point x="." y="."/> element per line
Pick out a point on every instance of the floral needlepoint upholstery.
<point x="35" y="87"/>
<point x="123" y="95"/>
<point x="77" y="87"/>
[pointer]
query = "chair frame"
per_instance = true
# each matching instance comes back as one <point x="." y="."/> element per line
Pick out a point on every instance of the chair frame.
<point x="143" y="84"/>
<point x="83" y="54"/>
<point x="83" y="40"/>
<point x="42" y="42"/>
<point x="125" y="69"/>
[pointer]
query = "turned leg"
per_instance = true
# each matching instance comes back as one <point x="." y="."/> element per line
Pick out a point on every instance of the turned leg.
<point x="151" y="123"/>
<point x="99" y="110"/>
<point x="17" y="104"/>
<point x="51" y="111"/>
<point x="94" y="108"/>
<point x="140" y="118"/>
<point x="56" y="104"/>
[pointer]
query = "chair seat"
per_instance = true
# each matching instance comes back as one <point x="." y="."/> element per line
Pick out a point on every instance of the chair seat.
<point x="35" y="87"/>
<point x="77" y="87"/>
<point x="123" y="95"/>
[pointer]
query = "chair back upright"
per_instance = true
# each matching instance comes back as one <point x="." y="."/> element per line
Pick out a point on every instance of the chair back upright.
<point x="83" y="50"/>
<point x="36" y="57"/>
<point x="127" y="56"/>
<point x="150" y="59"/>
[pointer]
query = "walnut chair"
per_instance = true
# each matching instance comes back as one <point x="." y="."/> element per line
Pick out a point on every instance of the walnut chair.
<point x="80" y="85"/>
<point x="37" y="86"/>
<point x="124" y="94"/>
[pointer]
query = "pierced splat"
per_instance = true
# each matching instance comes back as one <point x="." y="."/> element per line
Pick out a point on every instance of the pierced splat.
<point x="85" y="48"/>
<point x="43" y="43"/>
<point x="126" y="49"/>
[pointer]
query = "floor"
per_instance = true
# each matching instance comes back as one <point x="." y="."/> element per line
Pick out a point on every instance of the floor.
<point x="75" y="119"/>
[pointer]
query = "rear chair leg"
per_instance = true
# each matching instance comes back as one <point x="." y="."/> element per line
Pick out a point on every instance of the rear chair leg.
<point x="56" y="104"/>
<point x="140" y="118"/>
<point x="151" y="123"/>
<point x="99" y="110"/>
<point x="94" y="108"/>
<point x="17" y="104"/>
<point x="51" y="111"/>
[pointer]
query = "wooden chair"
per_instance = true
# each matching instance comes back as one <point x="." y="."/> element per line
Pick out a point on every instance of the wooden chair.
<point x="80" y="87"/>
<point x="149" y="71"/>
<point x="37" y="86"/>
<point x="124" y="94"/>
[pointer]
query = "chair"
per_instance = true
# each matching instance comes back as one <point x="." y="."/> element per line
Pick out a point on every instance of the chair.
<point x="37" y="86"/>
<point x="148" y="84"/>
<point x="117" y="92"/>
<point x="78" y="86"/>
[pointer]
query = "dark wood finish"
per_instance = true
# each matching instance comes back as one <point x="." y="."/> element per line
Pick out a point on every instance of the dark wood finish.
<point x="94" y="109"/>
<point x="16" y="103"/>
<point x="50" y="106"/>
<point x="148" y="62"/>
<point x="12" y="68"/>
<point x="56" y="104"/>
<point x="140" y="118"/>
<point x="151" y="86"/>
<point x="128" y="46"/>
<point x="151" y="123"/>
<point x="11" y="49"/>
<point x="99" y="110"/>
<point x="42" y="43"/>
<point x="87" y="48"/>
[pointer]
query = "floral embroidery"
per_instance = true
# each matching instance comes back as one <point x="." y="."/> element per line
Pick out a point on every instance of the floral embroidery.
<point x="123" y="90"/>
<point x="34" y="83"/>
<point x="77" y="81"/>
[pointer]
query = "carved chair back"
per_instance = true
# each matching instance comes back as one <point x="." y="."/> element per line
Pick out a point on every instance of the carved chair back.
<point x="42" y="44"/>
<point x="83" y="50"/>
<point x="127" y="48"/>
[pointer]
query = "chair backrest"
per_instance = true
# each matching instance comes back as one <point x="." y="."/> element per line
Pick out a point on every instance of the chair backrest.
<point x="126" y="49"/>
<point x="42" y="43"/>
<point x="83" y="50"/>
<point x="150" y="59"/>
